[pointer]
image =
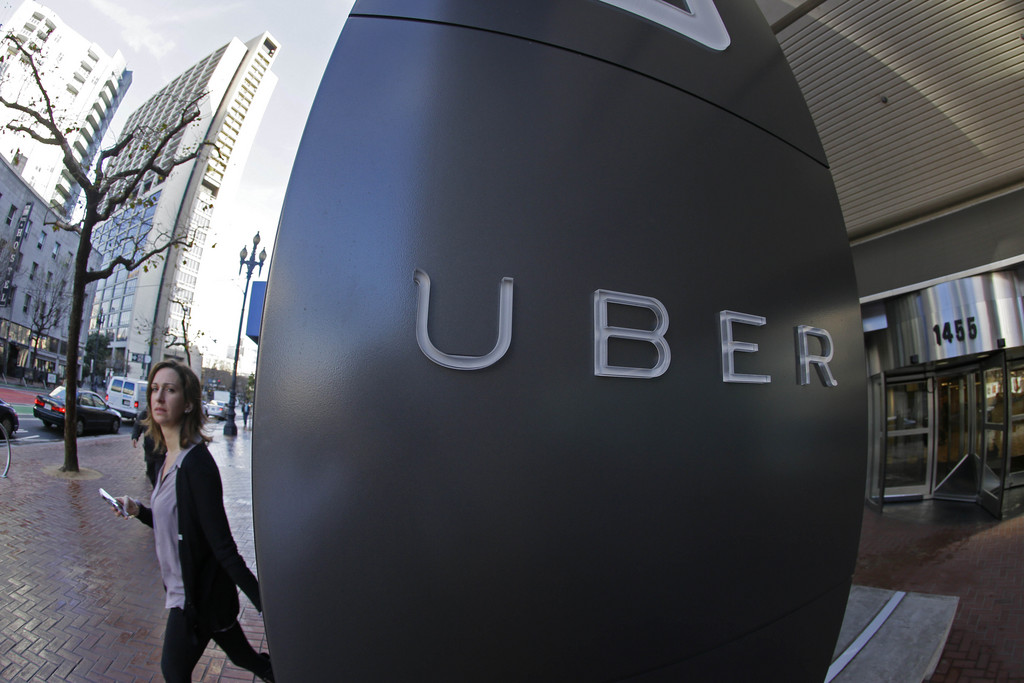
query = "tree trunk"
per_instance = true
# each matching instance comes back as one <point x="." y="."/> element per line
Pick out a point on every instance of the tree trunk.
<point x="74" y="332"/>
<point x="28" y="364"/>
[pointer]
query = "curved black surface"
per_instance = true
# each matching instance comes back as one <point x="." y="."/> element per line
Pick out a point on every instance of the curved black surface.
<point x="532" y="521"/>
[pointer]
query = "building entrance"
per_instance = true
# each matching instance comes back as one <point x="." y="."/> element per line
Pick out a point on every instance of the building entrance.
<point x="956" y="462"/>
<point x="957" y="434"/>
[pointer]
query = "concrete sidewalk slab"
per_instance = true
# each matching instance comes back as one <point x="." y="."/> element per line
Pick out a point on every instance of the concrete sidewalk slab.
<point x="891" y="636"/>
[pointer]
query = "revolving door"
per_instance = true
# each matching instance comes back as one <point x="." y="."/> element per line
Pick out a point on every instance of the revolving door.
<point x="947" y="434"/>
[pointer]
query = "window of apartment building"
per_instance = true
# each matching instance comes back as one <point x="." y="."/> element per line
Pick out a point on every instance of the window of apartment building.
<point x="28" y="302"/>
<point x="10" y="214"/>
<point x="32" y="273"/>
<point x="56" y="248"/>
<point x="42" y="238"/>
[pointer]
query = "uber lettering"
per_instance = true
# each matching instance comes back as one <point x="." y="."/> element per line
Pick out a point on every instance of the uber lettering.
<point x="604" y="331"/>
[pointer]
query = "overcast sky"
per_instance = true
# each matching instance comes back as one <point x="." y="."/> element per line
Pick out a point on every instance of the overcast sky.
<point x="160" y="39"/>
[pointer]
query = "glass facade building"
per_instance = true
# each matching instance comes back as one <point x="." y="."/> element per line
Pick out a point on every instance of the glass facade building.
<point x="144" y="311"/>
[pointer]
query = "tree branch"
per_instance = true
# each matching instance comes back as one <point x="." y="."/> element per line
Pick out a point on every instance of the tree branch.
<point x="47" y="119"/>
<point x="190" y="112"/>
<point x="131" y="264"/>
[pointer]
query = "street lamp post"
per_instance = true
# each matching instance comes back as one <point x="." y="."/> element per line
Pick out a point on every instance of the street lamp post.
<point x="248" y="262"/>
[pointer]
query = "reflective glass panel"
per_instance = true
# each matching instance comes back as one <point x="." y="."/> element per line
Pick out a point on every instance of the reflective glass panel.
<point x="1017" y="392"/>
<point x="907" y="406"/>
<point x="1017" y="449"/>
<point x="906" y="461"/>
<point x="949" y="446"/>
<point x="992" y="476"/>
<point x="995" y="396"/>
<point x="956" y="470"/>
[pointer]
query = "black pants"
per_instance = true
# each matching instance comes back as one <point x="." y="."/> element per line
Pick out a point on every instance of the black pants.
<point x="183" y="646"/>
<point x="149" y="456"/>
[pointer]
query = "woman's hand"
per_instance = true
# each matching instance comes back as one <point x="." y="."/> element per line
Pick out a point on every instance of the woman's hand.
<point x="130" y="506"/>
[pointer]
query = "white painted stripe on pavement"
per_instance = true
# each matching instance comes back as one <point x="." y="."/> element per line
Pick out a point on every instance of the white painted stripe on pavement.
<point x="857" y="645"/>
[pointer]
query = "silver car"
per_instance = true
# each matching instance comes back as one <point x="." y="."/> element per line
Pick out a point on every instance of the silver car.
<point x="215" y="409"/>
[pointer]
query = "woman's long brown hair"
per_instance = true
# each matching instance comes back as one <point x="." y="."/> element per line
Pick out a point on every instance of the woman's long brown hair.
<point x="193" y="421"/>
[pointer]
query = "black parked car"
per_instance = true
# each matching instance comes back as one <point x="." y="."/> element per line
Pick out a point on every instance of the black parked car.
<point x="93" y="412"/>
<point x="8" y="418"/>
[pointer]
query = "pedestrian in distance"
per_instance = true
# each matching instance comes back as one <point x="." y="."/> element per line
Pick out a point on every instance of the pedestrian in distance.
<point x="199" y="561"/>
<point x="245" y="414"/>
<point x="139" y="430"/>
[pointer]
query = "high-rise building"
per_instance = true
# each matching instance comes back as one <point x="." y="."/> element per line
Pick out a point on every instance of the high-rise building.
<point x="85" y="86"/>
<point x="146" y="312"/>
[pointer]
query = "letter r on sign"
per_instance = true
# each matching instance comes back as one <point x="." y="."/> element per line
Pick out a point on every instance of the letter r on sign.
<point x="805" y="359"/>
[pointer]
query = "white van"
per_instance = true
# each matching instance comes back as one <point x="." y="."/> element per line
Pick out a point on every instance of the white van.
<point x="127" y="396"/>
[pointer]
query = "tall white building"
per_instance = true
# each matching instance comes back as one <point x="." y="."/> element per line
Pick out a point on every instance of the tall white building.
<point x="83" y="82"/>
<point x="146" y="312"/>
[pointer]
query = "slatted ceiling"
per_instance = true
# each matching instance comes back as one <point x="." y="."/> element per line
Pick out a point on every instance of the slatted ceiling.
<point x="953" y="72"/>
<point x="857" y="135"/>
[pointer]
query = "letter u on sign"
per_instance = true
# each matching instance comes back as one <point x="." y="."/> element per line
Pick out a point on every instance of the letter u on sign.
<point x="455" y="362"/>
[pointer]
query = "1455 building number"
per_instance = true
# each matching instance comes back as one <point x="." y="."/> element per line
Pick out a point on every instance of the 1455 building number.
<point x="956" y="330"/>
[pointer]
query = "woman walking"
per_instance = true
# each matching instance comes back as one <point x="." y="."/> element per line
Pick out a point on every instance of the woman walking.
<point x="198" y="558"/>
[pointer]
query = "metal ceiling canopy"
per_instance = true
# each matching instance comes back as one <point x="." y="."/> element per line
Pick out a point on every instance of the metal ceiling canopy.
<point x="917" y="102"/>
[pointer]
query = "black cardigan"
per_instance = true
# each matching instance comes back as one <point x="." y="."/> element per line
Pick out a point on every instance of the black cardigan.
<point x="210" y="564"/>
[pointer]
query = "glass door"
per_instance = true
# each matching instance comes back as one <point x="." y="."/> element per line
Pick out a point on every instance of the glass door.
<point x="992" y="428"/>
<point x="1016" y="387"/>
<point x="908" y="407"/>
<point x="876" y="441"/>
<point x="957" y="464"/>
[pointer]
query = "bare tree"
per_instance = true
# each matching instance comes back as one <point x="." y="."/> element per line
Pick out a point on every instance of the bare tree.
<point x="181" y="335"/>
<point x="136" y="156"/>
<point x="188" y="337"/>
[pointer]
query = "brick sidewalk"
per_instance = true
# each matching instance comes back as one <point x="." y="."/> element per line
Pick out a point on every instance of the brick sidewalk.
<point x="80" y="591"/>
<point x="956" y="549"/>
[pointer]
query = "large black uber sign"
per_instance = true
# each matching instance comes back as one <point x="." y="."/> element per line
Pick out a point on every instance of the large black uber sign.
<point x="561" y="370"/>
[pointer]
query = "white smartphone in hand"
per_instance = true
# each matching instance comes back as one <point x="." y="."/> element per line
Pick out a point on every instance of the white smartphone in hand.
<point x="114" y="503"/>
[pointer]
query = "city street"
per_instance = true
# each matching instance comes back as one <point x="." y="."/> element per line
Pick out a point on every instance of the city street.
<point x="32" y="430"/>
